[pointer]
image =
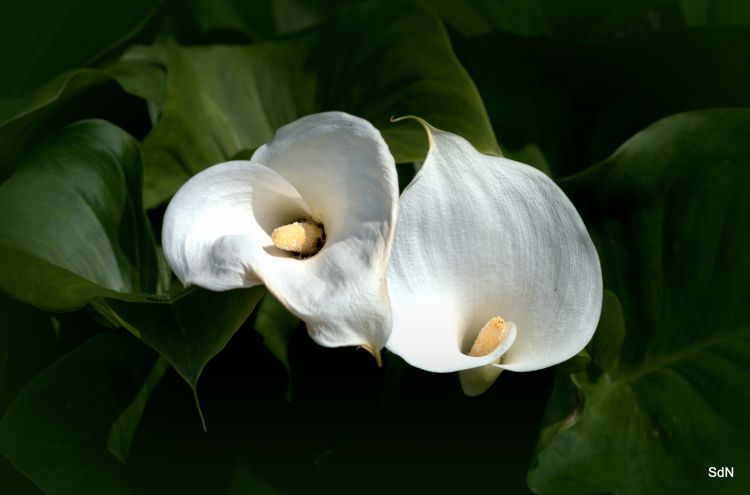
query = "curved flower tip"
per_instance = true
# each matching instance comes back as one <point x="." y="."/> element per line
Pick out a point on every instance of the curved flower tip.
<point x="311" y="216"/>
<point x="492" y="268"/>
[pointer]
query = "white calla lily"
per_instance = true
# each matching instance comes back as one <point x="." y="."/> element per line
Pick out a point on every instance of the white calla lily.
<point x="311" y="216"/>
<point x="486" y="243"/>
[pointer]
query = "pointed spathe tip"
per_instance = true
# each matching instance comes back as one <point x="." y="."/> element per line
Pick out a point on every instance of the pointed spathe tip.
<point x="374" y="351"/>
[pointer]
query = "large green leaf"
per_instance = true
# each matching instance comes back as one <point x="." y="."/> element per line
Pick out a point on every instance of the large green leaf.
<point x="188" y="326"/>
<point x="30" y="341"/>
<point x="576" y="100"/>
<point x="42" y="38"/>
<point x="373" y="61"/>
<point x="69" y="430"/>
<point x="139" y="71"/>
<point x="73" y="232"/>
<point x="75" y="203"/>
<point x="665" y="397"/>
<point x="26" y="120"/>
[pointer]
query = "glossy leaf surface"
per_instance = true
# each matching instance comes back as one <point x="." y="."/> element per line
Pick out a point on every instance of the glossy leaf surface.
<point x="223" y="101"/>
<point x="662" y="403"/>
<point x="82" y="238"/>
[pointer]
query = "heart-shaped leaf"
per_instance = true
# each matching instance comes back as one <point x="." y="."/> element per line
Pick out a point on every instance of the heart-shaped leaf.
<point x="225" y="101"/>
<point x="73" y="232"/>
<point x="70" y="429"/>
<point x="664" y="399"/>
<point x="75" y="204"/>
<point x="188" y="326"/>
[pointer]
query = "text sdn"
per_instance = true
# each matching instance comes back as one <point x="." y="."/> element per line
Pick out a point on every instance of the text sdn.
<point x="721" y="472"/>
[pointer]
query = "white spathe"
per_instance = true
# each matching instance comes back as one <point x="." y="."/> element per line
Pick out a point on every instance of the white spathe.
<point x="481" y="236"/>
<point x="333" y="168"/>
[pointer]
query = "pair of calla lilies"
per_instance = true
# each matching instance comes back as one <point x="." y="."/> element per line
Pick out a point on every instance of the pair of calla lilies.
<point x="482" y="264"/>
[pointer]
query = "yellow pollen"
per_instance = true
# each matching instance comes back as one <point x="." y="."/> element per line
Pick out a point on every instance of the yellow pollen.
<point x="304" y="237"/>
<point x="490" y="336"/>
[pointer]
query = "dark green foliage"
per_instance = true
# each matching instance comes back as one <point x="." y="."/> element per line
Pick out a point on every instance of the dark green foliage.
<point x="574" y="87"/>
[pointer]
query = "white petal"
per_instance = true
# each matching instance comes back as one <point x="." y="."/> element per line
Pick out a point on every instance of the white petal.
<point x="479" y="237"/>
<point x="220" y="216"/>
<point x="343" y="169"/>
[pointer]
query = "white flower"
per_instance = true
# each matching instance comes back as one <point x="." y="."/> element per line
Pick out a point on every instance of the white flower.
<point x="311" y="216"/>
<point x="486" y="243"/>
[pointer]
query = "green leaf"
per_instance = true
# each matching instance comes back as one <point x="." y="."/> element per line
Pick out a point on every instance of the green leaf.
<point x="663" y="399"/>
<point x="139" y="71"/>
<point x="123" y="429"/>
<point x="41" y="39"/>
<point x="75" y="204"/>
<point x="56" y="431"/>
<point x="14" y="481"/>
<point x="225" y="101"/>
<point x="31" y="340"/>
<point x="575" y="100"/>
<point x="25" y="120"/>
<point x="188" y="326"/>
<point x="73" y="232"/>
